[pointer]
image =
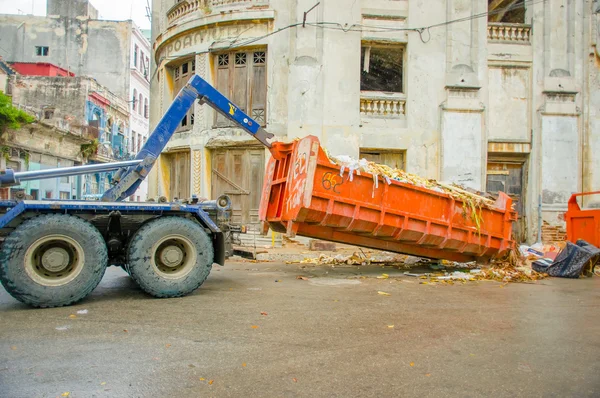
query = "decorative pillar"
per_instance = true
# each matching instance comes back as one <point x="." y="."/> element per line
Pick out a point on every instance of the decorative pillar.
<point x="463" y="140"/>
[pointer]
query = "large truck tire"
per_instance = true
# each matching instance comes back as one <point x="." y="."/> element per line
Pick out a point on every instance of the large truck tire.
<point x="170" y="256"/>
<point x="52" y="260"/>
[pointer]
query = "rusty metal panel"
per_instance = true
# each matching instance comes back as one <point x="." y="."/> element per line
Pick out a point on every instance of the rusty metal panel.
<point x="305" y="194"/>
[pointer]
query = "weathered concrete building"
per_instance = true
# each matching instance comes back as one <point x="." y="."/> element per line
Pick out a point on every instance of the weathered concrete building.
<point x="139" y="86"/>
<point x="498" y="95"/>
<point x="47" y="143"/>
<point x="74" y="111"/>
<point x="70" y="36"/>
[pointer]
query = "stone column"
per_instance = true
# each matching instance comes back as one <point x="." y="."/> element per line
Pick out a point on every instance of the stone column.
<point x="559" y="148"/>
<point x="463" y="139"/>
<point x="591" y="109"/>
<point x="305" y="81"/>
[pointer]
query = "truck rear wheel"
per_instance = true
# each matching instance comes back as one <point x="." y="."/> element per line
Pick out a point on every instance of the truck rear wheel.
<point x="52" y="260"/>
<point x="170" y="257"/>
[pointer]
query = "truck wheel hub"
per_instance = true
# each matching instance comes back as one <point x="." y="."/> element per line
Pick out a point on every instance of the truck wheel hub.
<point x="172" y="256"/>
<point x="55" y="259"/>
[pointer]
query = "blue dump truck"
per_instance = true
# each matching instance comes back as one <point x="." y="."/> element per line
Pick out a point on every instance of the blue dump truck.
<point x="55" y="252"/>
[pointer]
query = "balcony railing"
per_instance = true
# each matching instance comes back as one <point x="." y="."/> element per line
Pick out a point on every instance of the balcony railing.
<point x="205" y="7"/>
<point x="392" y="106"/>
<point x="512" y="33"/>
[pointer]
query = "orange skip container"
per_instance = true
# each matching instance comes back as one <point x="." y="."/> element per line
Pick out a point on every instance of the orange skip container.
<point x="583" y="223"/>
<point x="305" y="194"/>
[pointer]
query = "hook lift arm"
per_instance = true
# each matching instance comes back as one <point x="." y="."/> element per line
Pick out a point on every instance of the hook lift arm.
<point x="128" y="179"/>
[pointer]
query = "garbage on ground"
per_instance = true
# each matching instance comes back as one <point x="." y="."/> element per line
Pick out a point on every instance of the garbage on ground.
<point x="573" y="261"/>
<point x="525" y="264"/>
<point x="539" y="250"/>
<point x="355" y="258"/>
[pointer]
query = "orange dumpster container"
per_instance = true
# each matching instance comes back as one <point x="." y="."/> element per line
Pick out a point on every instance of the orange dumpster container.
<point x="582" y="224"/>
<point x="305" y="194"/>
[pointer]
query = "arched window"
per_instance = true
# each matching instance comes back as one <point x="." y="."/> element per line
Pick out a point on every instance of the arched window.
<point x="146" y="108"/>
<point x="134" y="99"/>
<point x="140" y="105"/>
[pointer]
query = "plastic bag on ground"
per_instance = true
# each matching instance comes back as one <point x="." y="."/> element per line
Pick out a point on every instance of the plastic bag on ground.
<point x="572" y="261"/>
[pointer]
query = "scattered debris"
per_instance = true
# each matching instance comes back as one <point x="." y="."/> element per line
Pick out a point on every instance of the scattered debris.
<point x="254" y="327"/>
<point x="63" y="328"/>
<point x="411" y="260"/>
<point x="72" y="316"/>
<point x="573" y="261"/>
<point x="302" y="277"/>
<point x="383" y="293"/>
<point x="353" y="259"/>
<point x="82" y="312"/>
<point x="457" y="275"/>
<point x="264" y="313"/>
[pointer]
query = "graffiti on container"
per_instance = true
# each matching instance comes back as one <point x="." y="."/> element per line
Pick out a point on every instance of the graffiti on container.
<point x="331" y="181"/>
<point x="300" y="165"/>
<point x="297" y="189"/>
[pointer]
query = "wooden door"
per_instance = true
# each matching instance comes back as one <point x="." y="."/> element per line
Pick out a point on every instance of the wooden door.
<point x="508" y="177"/>
<point x="238" y="172"/>
<point x="394" y="159"/>
<point x="179" y="172"/>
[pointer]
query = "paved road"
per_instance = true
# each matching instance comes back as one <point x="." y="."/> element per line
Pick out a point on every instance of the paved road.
<point x="328" y="336"/>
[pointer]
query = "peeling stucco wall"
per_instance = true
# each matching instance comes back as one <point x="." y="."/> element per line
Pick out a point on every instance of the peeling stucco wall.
<point x="65" y="96"/>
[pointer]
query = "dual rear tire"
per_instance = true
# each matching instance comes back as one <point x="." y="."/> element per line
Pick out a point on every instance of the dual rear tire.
<point x="56" y="260"/>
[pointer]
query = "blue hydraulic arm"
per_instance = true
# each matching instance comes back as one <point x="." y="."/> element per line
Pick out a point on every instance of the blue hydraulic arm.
<point x="128" y="180"/>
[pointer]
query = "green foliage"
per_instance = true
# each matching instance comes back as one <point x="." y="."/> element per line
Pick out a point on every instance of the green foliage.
<point x="5" y="152"/>
<point x="26" y="156"/>
<point x="88" y="150"/>
<point x="11" y="117"/>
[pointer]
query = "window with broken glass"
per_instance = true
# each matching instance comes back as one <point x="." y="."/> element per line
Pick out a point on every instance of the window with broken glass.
<point x="382" y="68"/>
<point x="242" y="77"/>
<point x="181" y="74"/>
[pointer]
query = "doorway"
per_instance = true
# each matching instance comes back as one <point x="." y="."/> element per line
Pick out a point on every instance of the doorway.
<point x="510" y="177"/>
<point x="238" y="172"/>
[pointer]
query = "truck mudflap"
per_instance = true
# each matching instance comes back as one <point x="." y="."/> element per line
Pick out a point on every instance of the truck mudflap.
<point x="305" y="193"/>
<point x="219" y="248"/>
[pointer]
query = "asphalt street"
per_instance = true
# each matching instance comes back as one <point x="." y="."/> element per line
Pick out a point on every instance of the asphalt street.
<point x="255" y="329"/>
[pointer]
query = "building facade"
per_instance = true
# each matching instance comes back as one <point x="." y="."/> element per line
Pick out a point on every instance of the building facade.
<point x="77" y="108"/>
<point x="139" y="86"/>
<point x="114" y="53"/>
<point x="495" y="95"/>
